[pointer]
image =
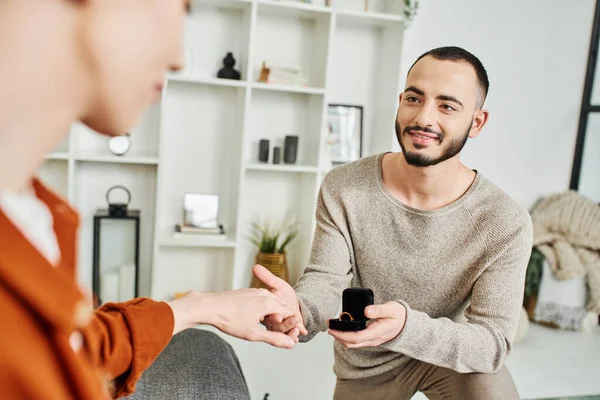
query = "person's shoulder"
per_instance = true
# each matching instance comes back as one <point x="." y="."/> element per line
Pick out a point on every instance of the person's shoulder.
<point x="496" y="211"/>
<point x="362" y="172"/>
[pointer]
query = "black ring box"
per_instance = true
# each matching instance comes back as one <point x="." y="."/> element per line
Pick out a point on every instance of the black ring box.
<point x="354" y="302"/>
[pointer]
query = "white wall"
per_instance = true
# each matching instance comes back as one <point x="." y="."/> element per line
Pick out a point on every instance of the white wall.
<point x="535" y="53"/>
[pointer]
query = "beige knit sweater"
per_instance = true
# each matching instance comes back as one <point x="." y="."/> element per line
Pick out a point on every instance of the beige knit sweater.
<point x="567" y="232"/>
<point x="430" y="261"/>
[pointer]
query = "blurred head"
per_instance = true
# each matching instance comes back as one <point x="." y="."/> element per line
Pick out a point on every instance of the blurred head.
<point x="441" y="106"/>
<point x="126" y="47"/>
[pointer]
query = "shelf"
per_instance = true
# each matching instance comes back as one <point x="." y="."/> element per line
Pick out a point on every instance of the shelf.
<point x="101" y="158"/>
<point x="58" y="156"/>
<point x="293" y="9"/>
<point x="302" y="10"/>
<point x="209" y="81"/>
<point x="173" y="239"/>
<point x="287" y="88"/>
<point x="281" y="168"/>
<point x="232" y="4"/>
<point x="372" y="19"/>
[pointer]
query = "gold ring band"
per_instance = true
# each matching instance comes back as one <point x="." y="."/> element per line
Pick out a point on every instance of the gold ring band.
<point x="348" y="314"/>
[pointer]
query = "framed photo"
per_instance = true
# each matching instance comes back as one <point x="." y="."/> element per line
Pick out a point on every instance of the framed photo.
<point x="345" y="124"/>
<point x="201" y="210"/>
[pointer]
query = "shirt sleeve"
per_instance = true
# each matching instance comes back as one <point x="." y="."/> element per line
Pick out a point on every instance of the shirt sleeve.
<point x="123" y="339"/>
<point x="330" y="268"/>
<point x="483" y="342"/>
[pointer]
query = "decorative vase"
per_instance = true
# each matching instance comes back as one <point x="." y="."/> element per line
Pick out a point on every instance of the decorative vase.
<point x="291" y="149"/>
<point x="277" y="155"/>
<point x="263" y="150"/>
<point x="227" y="72"/>
<point x="276" y="263"/>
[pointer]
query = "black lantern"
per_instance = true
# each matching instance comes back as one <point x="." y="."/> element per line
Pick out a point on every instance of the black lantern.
<point x="116" y="273"/>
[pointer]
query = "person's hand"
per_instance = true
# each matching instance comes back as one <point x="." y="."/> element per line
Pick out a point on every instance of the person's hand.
<point x="294" y="325"/>
<point x="237" y="313"/>
<point x="389" y="322"/>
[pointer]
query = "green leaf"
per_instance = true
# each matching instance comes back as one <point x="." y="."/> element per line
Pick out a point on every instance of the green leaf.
<point x="267" y="237"/>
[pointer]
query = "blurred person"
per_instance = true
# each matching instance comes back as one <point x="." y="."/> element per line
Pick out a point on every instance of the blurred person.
<point x="101" y="62"/>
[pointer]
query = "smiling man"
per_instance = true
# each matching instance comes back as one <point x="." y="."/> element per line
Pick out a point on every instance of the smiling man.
<point x="428" y="235"/>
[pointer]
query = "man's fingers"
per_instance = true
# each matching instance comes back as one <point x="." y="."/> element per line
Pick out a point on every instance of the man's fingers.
<point x="273" y="319"/>
<point x="284" y="326"/>
<point x="372" y="333"/>
<point x="352" y="341"/>
<point x="276" y="339"/>
<point x="387" y="310"/>
<point x="344" y="337"/>
<point x="275" y="307"/>
<point x="267" y="277"/>
<point x="294" y="333"/>
<point x="302" y="328"/>
<point x="363" y="344"/>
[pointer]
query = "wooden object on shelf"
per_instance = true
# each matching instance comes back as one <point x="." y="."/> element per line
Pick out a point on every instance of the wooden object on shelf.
<point x="264" y="73"/>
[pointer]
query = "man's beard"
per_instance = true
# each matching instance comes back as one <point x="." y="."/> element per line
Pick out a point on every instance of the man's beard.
<point x="421" y="160"/>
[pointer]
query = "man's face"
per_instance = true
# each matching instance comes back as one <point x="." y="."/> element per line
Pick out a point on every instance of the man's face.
<point x="126" y="48"/>
<point x="438" y="111"/>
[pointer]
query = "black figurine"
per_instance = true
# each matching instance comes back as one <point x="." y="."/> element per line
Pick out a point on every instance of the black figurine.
<point x="227" y="72"/>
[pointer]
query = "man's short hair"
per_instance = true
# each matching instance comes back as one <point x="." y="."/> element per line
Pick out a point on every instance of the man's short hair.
<point x="453" y="53"/>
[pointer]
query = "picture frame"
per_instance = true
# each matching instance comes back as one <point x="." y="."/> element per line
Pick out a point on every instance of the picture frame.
<point x="345" y="132"/>
<point x="201" y="210"/>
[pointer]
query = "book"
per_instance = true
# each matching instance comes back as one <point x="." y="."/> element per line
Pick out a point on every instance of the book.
<point x="192" y="236"/>
<point x="187" y="229"/>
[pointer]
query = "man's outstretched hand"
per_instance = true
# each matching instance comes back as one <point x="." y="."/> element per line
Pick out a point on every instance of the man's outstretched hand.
<point x="294" y="325"/>
<point x="389" y="319"/>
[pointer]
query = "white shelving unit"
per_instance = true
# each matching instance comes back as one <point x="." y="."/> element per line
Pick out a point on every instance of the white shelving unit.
<point x="203" y="135"/>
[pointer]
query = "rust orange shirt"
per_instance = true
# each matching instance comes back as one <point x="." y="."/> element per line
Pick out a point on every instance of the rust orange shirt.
<point x="53" y="345"/>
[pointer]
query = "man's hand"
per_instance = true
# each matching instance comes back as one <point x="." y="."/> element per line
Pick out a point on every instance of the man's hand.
<point x="280" y="323"/>
<point x="237" y="313"/>
<point x="389" y="322"/>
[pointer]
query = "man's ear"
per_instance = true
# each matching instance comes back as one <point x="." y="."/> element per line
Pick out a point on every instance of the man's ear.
<point x="400" y="97"/>
<point x="479" y="121"/>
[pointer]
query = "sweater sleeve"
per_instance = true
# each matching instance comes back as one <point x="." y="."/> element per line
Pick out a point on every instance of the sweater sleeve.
<point x="483" y="342"/>
<point x="124" y="339"/>
<point x="329" y="272"/>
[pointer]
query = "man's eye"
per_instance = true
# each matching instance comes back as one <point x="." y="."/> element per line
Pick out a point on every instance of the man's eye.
<point x="448" y="107"/>
<point x="412" y="99"/>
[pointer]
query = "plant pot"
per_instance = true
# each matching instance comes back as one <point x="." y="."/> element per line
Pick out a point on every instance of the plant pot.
<point x="529" y="304"/>
<point x="276" y="263"/>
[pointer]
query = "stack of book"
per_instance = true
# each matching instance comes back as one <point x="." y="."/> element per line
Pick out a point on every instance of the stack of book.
<point x="189" y="230"/>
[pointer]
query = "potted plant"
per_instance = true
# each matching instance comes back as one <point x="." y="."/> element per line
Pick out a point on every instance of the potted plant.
<point x="272" y="244"/>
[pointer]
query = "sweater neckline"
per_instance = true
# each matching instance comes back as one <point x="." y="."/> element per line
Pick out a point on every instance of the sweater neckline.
<point x="442" y="210"/>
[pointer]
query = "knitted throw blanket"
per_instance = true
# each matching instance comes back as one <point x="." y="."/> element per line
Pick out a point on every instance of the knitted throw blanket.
<point x="566" y="230"/>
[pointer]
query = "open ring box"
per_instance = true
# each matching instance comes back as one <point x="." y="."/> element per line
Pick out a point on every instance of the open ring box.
<point x="354" y="302"/>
